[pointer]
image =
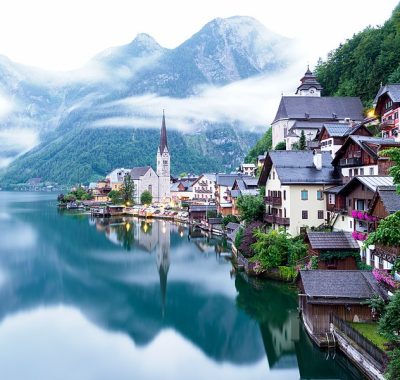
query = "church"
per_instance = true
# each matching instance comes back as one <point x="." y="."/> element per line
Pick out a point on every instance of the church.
<point x="145" y="178"/>
<point x="308" y="111"/>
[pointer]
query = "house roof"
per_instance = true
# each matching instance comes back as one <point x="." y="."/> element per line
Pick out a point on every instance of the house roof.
<point x="340" y="284"/>
<point x="118" y="175"/>
<point x="319" y="107"/>
<point x="334" y="190"/>
<point x="235" y="193"/>
<point x="297" y="167"/>
<point x="136" y="173"/>
<point x="332" y="240"/>
<point x="393" y="91"/>
<point x="228" y="179"/>
<point x="301" y="124"/>
<point x="389" y="197"/>
<point x="370" y="181"/>
<point x="202" y="208"/>
<point x="337" y="129"/>
<point x="232" y="226"/>
<point x="369" y="144"/>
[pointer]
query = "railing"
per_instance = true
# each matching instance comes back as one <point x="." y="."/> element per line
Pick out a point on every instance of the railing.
<point x="387" y="253"/>
<point x="269" y="218"/>
<point x="275" y="201"/>
<point x="375" y="352"/>
<point x="282" y="221"/>
<point x="387" y="124"/>
<point x="353" y="161"/>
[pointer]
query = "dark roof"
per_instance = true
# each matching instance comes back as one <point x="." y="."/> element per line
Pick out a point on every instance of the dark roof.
<point x="163" y="135"/>
<point x="228" y="179"/>
<point x="334" y="190"/>
<point x="309" y="80"/>
<point x="393" y="91"/>
<point x="235" y="193"/>
<point x="369" y="144"/>
<point x="232" y="226"/>
<point x="202" y="208"/>
<point x="297" y="167"/>
<point x="370" y="181"/>
<point x="327" y="108"/>
<point x="302" y="124"/>
<point x="338" y="129"/>
<point x="136" y="173"/>
<point x="390" y="198"/>
<point x="336" y="284"/>
<point x="332" y="240"/>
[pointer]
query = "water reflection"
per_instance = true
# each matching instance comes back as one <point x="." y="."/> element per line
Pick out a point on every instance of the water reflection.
<point x="154" y="281"/>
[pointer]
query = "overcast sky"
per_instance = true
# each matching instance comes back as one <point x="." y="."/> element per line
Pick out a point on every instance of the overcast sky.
<point x="64" y="34"/>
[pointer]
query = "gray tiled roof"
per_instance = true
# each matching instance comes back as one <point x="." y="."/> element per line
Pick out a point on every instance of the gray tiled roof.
<point x="334" y="190"/>
<point x="348" y="284"/>
<point x="301" y="124"/>
<point x="316" y="107"/>
<point x="232" y="226"/>
<point x="228" y="179"/>
<point x="390" y="198"/>
<point x="297" y="167"/>
<point x="202" y="208"/>
<point x="136" y="173"/>
<point x="332" y="240"/>
<point x="338" y="129"/>
<point x="370" y="181"/>
<point x="393" y="90"/>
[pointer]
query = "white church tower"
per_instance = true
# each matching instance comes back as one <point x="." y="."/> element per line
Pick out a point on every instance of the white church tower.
<point x="163" y="165"/>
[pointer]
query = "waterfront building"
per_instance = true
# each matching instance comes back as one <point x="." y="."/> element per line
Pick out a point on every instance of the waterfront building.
<point x="307" y="111"/>
<point x="340" y="292"/>
<point x="334" y="250"/>
<point x="116" y="178"/>
<point x="242" y="186"/>
<point x="248" y="169"/>
<point x="295" y="182"/>
<point x="204" y="188"/>
<point x="387" y="107"/>
<point x="182" y="190"/>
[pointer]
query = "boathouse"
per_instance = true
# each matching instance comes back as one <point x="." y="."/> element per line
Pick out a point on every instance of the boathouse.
<point x="334" y="250"/>
<point x="339" y="292"/>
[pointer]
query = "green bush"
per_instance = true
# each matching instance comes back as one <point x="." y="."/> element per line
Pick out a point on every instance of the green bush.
<point x="239" y="238"/>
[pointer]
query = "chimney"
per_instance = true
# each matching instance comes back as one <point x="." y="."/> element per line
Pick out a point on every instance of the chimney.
<point x="317" y="159"/>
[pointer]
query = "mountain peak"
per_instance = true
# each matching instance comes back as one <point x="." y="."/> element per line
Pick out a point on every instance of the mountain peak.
<point x="145" y="41"/>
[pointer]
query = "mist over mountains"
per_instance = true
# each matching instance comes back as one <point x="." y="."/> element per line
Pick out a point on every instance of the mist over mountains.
<point x="76" y="126"/>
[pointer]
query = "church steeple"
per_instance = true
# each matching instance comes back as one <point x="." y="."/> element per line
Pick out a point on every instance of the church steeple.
<point x="309" y="85"/>
<point x="163" y="135"/>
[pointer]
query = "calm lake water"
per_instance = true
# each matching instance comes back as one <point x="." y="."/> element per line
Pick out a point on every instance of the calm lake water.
<point x="125" y="299"/>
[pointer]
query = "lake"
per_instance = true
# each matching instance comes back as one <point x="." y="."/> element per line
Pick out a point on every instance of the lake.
<point x="129" y="299"/>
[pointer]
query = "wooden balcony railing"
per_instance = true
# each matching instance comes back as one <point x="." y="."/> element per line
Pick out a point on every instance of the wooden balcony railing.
<point x="275" y="201"/>
<point x="354" y="161"/>
<point x="387" y="124"/>
<point x="269" y="218"/>
<point x="282" y="221"/>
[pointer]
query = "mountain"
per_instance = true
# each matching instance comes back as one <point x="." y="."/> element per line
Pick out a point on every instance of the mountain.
<point x="86" y="122"/>
<point x="363" y="62"/>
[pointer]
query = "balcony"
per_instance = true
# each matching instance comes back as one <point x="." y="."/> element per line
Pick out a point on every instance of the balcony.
<point x="282" y="221"/>
<point x="274" y="201"/>
<point x="387" y="125"/>
<point x="354" y="161"/>
<point x="269" y="218"/>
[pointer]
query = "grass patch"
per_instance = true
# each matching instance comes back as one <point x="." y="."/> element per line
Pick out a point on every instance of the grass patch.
<point x="370" y="331"/>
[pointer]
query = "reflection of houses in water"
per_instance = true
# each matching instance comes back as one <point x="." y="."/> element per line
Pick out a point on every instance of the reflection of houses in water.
<point x="162" y="259"/>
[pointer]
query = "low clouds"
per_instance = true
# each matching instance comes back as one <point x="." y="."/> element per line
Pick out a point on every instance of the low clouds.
<point x="250" y="104"/>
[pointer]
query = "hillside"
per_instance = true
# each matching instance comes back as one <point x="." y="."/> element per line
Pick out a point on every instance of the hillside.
<point x="362" y="63"/>
<point x="108" y="114"/>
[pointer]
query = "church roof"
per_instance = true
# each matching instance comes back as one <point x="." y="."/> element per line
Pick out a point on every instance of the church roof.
<point x="136" y="173"/>
<point x="325" y="108"/>
<point x="163" y="135"/>
<point x="309" y="80"/>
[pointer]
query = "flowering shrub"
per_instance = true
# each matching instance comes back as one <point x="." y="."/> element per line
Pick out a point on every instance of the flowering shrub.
<point x="359" y="235"/>
<point x="385" y="278"/>
<point x="354" y="213"/>
<point x="360" y="215"/>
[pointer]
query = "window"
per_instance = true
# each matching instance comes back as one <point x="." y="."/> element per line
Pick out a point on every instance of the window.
<point x="273" y="175"/>
<point x="320" y="214"/>
<point x="371" y="171"/>
<point x="304" y="214"/>
<point x="304" y="195"/>
<point x="361" y="171"/>
<point x="320" y="195"/>
<point x="360" y="204"/>
<point x="331" y="199"/>
<point x="150" y="188"/>
<point x="349" y="202"/>
<point x="284" y="212"/>
<point x="342" y="218"/>
<point x="355" y="171"/>
<point x="350" y="172"/>
<point x="284" y="195"/>
<point x="351" y="224"/>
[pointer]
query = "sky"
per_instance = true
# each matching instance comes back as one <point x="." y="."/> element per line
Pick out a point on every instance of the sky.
<point x="64" y="34"/>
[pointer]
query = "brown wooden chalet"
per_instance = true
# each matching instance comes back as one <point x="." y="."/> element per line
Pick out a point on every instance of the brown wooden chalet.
<point x="339" y="132"/>
<point x="339" y="292"/>
<point x="386" y="201"/>
<point x="387" y="107"/>
<point x="335" y="250"/>
<point x="360" y="151"/>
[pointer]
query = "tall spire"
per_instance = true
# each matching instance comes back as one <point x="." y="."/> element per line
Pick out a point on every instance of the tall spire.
<point x="309" y="84"/>
<point x="163" y="135"/>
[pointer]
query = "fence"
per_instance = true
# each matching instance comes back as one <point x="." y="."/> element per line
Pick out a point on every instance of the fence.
<point x="375" y="352"/>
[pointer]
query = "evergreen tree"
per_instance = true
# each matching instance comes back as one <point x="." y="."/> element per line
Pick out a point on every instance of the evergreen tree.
<point x="128" y="190"/>
<point x="302" y="141"/>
